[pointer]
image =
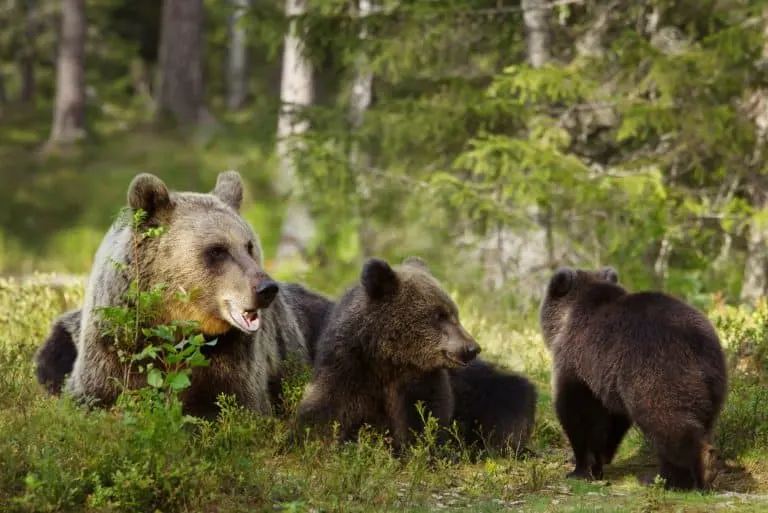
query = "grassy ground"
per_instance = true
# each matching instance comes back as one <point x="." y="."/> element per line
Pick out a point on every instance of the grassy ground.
<point x="55" y="457"/>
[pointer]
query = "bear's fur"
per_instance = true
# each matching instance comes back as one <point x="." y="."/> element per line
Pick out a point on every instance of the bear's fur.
<point x="495" y="410"/>
<point x="212" y="253"/>
<point x="56" y="356"/>
<point x="387" y="344"/>
<point x="620" y="358"/>
<point x="312" y="310"/>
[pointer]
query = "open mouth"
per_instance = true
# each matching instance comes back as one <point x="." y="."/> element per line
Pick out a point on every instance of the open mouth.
<point x="455" y="360"/>
<point x="246" y="320"/>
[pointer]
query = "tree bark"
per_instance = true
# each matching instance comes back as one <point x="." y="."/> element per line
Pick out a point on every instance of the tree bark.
<point x="27" y="55"/>
<point x="296" y="93"/>
<point x="69" y="110"/>
<point x="180" y="93"/>
<point x="535" y="18"/>
<point x="360" y="100"/>
<point x="237" y="70"/>
<point x="755" y="279"/>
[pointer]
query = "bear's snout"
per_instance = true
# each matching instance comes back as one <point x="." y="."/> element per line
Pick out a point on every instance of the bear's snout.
<point x="460" y="347"/>
<point x="266" y="291"/>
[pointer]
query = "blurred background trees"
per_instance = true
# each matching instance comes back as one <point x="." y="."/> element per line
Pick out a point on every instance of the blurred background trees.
<point x="497" y="139"/>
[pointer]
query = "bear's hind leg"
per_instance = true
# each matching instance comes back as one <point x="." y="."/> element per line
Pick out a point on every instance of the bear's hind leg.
<point x="680" y="448"/>
<point x="582" y="416"/>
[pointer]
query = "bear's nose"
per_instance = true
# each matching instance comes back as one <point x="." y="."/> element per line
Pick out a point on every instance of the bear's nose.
<point x="470" y="352"/>
<point x="266" y="292"/>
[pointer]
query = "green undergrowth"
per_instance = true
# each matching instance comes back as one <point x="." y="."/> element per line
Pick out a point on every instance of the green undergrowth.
<point x="143" y="455"/>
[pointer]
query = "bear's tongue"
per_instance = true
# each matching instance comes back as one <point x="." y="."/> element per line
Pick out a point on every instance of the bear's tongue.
<point x="251" y="320"/>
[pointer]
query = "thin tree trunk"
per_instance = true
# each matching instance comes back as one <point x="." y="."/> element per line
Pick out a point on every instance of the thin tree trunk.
<point x="27" y="57"/>
<point x="360" y="162"/>
<point x="755" y="281"/>
<point x="296" y="92"/>
<point x="535" y="18"/>
<point x="237" y="80"/>
<point x="69" y="111"/>
<point x="180" y="93"/>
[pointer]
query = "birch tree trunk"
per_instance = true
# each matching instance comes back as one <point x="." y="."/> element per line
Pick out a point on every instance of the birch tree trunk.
<point x="69" y="109"/>
<point x="296" y="93"/>
<point x="535" y="18"/>
<point x="237" y="66"/>
<point x="180" y="93"/>
<point x="360" y="100"/>
<point x="755" y="281"/>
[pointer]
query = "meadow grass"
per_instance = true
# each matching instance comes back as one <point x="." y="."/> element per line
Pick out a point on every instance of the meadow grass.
<point x="143" y="457"/>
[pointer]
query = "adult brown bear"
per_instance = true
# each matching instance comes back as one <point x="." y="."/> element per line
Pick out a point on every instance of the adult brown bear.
<point x="207" y="249"/>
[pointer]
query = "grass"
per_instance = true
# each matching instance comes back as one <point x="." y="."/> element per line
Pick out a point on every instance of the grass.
<point x="136" y="457"/>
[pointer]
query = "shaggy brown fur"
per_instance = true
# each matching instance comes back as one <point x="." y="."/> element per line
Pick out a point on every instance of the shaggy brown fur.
<point x="495" y="410"/>
<point x="209" y="251"/>
<point x="56" y="356"/>
<point x="621" y="358"/>
<point x="388" y="342"/>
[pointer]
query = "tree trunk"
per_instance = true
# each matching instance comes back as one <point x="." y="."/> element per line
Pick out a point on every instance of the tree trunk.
<point x="527" y="254"/>
<point x="755" y="281"/>
<point x="360" y="100"/>
<point x="535" y="18"/>
<point x="296" y="92"/>
<point x="237" y="80"/>
<point x="27" y="56"/>
<point x="180" y="94"/>
<point x="69" y="111"/>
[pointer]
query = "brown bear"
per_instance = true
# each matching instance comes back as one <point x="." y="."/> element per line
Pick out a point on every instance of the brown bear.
<point x="55" y="358"/>
<point x="212" y="253"/>
<point x="621" y="358"/>
<point x="494" y="409"/>
<point x="390" y="338"/>
<point x="394" y="339"/>
<point x="312" y="310"/>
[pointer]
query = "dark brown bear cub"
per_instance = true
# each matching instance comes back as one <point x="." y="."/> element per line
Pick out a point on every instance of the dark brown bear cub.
<point x="387" y="345"/>
<point x="620" y="358"/>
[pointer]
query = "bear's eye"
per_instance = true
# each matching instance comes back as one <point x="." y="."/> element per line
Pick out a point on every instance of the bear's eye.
<point x="249" y="247"/>
<point x="217" y="252"/>
<point x="442" y="315"/>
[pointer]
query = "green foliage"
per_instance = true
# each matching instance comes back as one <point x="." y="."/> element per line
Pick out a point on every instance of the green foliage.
<point x="744" y="425"/>
<point x="145" y="455"/>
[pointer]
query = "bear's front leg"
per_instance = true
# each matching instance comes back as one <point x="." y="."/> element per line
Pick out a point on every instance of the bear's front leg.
<point x="580" y="413"/>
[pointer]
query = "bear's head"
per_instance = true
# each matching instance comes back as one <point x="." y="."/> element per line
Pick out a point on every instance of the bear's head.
<point x="568" y="288"/>
<point x="415" y="322"/>
<point x="207" y="250"/>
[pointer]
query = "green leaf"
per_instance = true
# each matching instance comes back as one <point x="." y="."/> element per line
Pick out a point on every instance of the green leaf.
<point x="178" y="380"/>
<point x="155" y="378"/>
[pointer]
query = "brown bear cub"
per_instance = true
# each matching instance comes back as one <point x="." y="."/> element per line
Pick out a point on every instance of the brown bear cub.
<point x="387" y="345"/>
<point x="495" y="410"/>
<point x="620" y="358"/>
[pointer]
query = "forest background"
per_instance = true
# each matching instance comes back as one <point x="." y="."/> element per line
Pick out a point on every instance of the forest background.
<point x="497" y="139"/>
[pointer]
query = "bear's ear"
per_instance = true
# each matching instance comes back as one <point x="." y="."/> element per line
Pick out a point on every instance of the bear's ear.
<point x="609" y="274"/>
<point x="561" y="282"/>
<point x="378" y="279"/>
<point x="417" y="262"/>
<point x="149" y="193"/>
<point x="229" y="189"/>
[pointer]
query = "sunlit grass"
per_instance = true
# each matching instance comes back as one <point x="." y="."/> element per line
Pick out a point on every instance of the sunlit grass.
<point x="55" y="457"/>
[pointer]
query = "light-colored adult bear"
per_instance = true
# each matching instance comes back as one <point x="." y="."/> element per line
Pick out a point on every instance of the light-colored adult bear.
<point x="212" y="253"/>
